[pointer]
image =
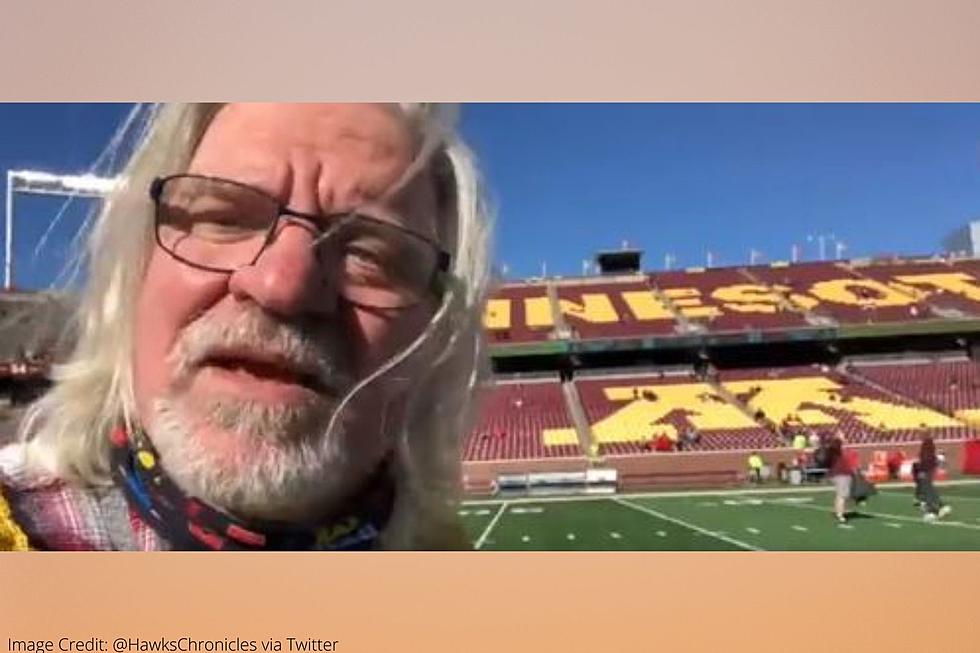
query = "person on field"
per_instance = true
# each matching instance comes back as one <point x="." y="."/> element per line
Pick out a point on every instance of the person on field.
<point x="756" y="464"/>
<point x="924" y="472"/>
<point x="841" y="474"/>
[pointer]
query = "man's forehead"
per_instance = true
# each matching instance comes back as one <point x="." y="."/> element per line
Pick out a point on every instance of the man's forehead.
<point x="359" y="153"/>
<point x="368" y="131"/>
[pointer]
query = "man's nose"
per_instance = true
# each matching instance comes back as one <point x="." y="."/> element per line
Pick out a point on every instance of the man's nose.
<point x="289" y="278"/>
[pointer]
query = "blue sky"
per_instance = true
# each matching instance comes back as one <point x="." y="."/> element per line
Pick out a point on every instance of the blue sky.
<point x="685" y="179"/>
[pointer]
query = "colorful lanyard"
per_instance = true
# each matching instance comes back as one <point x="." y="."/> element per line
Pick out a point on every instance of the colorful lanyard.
<point x="190" y="524"/>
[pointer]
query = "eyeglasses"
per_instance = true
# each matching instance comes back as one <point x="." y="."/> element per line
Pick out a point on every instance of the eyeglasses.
<point x="221" y="225"/>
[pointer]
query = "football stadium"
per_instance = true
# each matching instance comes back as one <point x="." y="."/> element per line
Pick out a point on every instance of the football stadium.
<point x="624" y="406"/>
<point x="633" y="408"/>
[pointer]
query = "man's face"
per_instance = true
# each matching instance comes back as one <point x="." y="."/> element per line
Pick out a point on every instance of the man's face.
<point x="225" y="362"/>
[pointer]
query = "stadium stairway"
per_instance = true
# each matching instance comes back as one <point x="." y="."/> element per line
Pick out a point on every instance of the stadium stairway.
<point x="681" y="323"/>
<point x="558" y="317"/>
<point x="784" y="301"/>
<point x="788" y="304"/>
<point x="744" y="408"/>
<point x="574" y="405"/>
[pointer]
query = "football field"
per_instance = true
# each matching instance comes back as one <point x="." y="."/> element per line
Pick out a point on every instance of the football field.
<point x="797" y="519"/>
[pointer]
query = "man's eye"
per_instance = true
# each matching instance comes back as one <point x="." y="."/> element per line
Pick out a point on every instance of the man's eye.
<point x="221" y="216"/>
<point x="364" y="257"/>
<point x="220" y="229"/>
<point x="224" y="216"/>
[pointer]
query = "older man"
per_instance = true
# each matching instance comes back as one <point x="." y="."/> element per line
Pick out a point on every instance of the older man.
<point x="277" y="344"/>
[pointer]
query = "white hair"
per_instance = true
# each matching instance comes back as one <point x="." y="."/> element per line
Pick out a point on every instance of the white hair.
<point x="93" y="391"/>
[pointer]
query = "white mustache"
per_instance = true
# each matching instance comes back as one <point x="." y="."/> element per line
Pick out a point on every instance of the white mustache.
<point x="255" y="332"/>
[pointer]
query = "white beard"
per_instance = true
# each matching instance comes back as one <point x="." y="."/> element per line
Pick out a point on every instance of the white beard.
<point x="252" y="459"/>
<point x="269" y="461"/>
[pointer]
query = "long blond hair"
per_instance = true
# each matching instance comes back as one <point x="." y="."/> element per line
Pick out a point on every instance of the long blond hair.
<point x="65" y="430"/>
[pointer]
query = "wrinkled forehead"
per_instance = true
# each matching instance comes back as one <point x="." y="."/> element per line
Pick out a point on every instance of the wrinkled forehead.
<point x="323" y="157"/>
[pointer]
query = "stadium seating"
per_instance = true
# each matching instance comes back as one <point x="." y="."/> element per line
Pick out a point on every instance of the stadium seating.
<point x="610" y="310"/>
<point x="971" y="265"/>
<point x="775" y="297"/>
<point x="518" y="313"/>
<point x="626" y="413"/>
<point x="726" y="299"/>
<point x="835" y="291"/>
<point x="30" y="327"/>
<point x="943" y="286"/>
<point x="950" y="386"/>
<point x="880" y="403"/>
<point x="522" y="420"/>
<point x="828" y="401"/>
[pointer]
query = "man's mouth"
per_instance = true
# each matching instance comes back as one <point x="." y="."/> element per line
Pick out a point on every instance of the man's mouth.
<point x="262" y="367"/>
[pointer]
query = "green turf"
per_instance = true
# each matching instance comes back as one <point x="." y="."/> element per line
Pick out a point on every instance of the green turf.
<point x="780" y="520"/>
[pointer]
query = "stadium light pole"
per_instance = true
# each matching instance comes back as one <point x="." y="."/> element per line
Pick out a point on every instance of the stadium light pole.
<point x="821" y="243"/>
<point x="8" y="249"/>
<point x="36" y="182"/>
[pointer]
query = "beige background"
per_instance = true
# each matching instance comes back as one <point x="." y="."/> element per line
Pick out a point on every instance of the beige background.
<point x="493" y="602"/>
<point x="751" y="50"/>
<point x="733" y="50"/>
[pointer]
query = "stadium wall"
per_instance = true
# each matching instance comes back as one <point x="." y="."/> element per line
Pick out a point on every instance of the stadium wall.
<point x="678" y="469"/>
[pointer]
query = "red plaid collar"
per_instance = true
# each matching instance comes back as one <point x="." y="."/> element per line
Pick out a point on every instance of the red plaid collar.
<point x="62" y="516"/>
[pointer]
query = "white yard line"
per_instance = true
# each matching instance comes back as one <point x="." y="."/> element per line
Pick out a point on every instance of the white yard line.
<point x="952" y="497"/>
<point x="688" y="525"/>
<point x="885" y="515"/>
<point x="493" y="522"/>
<point x="702" y="493"/>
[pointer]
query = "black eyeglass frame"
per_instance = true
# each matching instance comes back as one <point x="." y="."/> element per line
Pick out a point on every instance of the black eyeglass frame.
<point x="443" y="258"/>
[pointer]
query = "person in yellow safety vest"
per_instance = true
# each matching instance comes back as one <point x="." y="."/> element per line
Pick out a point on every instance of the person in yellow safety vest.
<point x="755" y="467"/>
<point x="799" y="441"/>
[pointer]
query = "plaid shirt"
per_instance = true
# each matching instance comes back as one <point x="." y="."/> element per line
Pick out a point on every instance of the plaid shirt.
<point x="61" y="516"/>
